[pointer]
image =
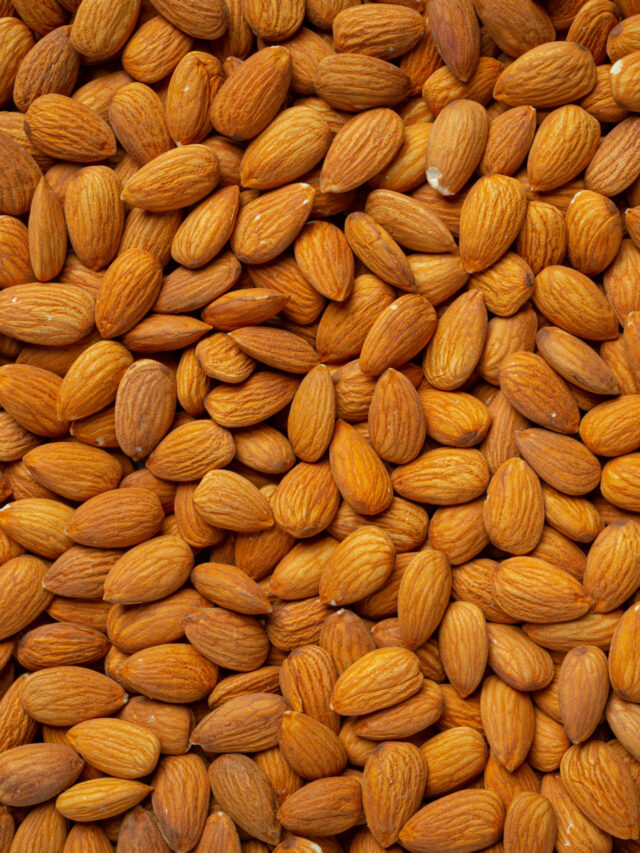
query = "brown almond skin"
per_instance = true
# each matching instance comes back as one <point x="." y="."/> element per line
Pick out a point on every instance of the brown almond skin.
<point x="583" y="673"/>
<point x="60" y="767"/>
<point x="265" y="80"/>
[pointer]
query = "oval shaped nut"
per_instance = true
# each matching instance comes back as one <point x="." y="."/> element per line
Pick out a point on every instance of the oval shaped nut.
<point x="379" y="679"/>
<point x="375" y="247"/>
<point x="455" y="145"/>
<point x="91" y="383"/>
<point x="145" y="406"/>
<point x="576" y="362"/>
<point x="244" y="791"/>
<point x="329" y="805"/>
<point x="127" y="292"/>
<point x="226" y="499"/>
<point x="59" y="314"/>
<point x="453" y="418"/>
<point x="94" y="214"/>
<point x="464" y="645"/>
<point x="618" y="481"/>
<point x="24" y="597"/>
<point x="506" y="286"/>
<point x="575" y="517"/>
<point x="58" y="767"/>
<point x="117" y="518"/>
<point x="18" y="39"/>
<point x="547" y="167"/>
<point x="583" y="688"/>
<point x="530" y="821"/>
<point x="192" y="675"/>
<point x="423" y="596"/>
<point x="149" y="571"/>
<point x="154" y="50"/>
<point x="508" y="141"/>
<point x="312" y="415"/>
<point x="456" y="346"/>
<point x="357" y="82"/>
<point x="623" y="79"/>
<point x="47" y="233"/>
<point x="63" y="127"/>
<point x="270" y="223"/>
<point x="167" y="182"/>
<point x="206" y="229"/>
<point x="361" y="149"/>
<point x="561" y="461"/>
<point x="247" y="723"/>
<point x="247" y="102"/>
<point x="360" y="565"/>
<point x="547" y="75"/>
<point x="443" y="476"/>
<point x="516" y="27"/>
<point x="616" y="163"/>
<point x="21" y="177"/>
<point x="409" y="222"/>
<point x="398" y="333"/>
<point x="233" y="640"/>
<point x="100" y="798"/>
<point x="594" y="232"/>
<point x="454" y="758"/>
<point x="490" y="220"/>
<point x="66" y="695"/>
<point x="388" y="808"/>
<point x="611" y="574"/>
<point x="100" y="30"/>
<point x="533" y="590"/>
<point x="358" y="471"/>
<point x="508" y="720"/>
<point x="517" y="660"/>
<point x="377" y="31"/>
<point x="537" y="392"/>
<point x="572" y="824"/>
<point x="276" y="348"/>
<point x="198" y="19"/>
<point x="187" y="115"/>
<point x="602" y="787"/>
<point x="478" y="816"/>
<point x="119" y="748"/>
<point x="397" y="426"/>
<point x="542" y="240"/>
<point x="624" y="661"/>
<point x="516" y="531"/>
<point x="311" y="748"/>
<point x="293" y="144"/>
<point x="73" y="470"/>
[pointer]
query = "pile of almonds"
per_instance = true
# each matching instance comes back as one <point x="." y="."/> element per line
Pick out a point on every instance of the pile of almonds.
<point x="319" y="426"/>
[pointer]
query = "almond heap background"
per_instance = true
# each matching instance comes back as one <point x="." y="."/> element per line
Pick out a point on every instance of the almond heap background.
<point x="319" y="427"/>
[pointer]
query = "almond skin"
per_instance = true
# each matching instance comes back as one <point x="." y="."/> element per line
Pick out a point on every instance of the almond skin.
<point x="527" y="79"/>
<point x="376" y="134"/>
<point x="383" y="816"/>
<point x="455" y="145"/>
<point x="60" y="766"/>
<point x="544" y="169"/>
<point x="493" y="198"/>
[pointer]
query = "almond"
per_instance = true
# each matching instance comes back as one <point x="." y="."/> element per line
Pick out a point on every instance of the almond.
<point x="387" y="808"/>
<point x="547" y="75"/>
<point x="479" y="817"/>
<point x="494" y="198"/>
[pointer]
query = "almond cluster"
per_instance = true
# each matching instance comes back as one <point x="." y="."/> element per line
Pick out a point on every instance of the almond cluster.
<point x="319" y="426"/>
